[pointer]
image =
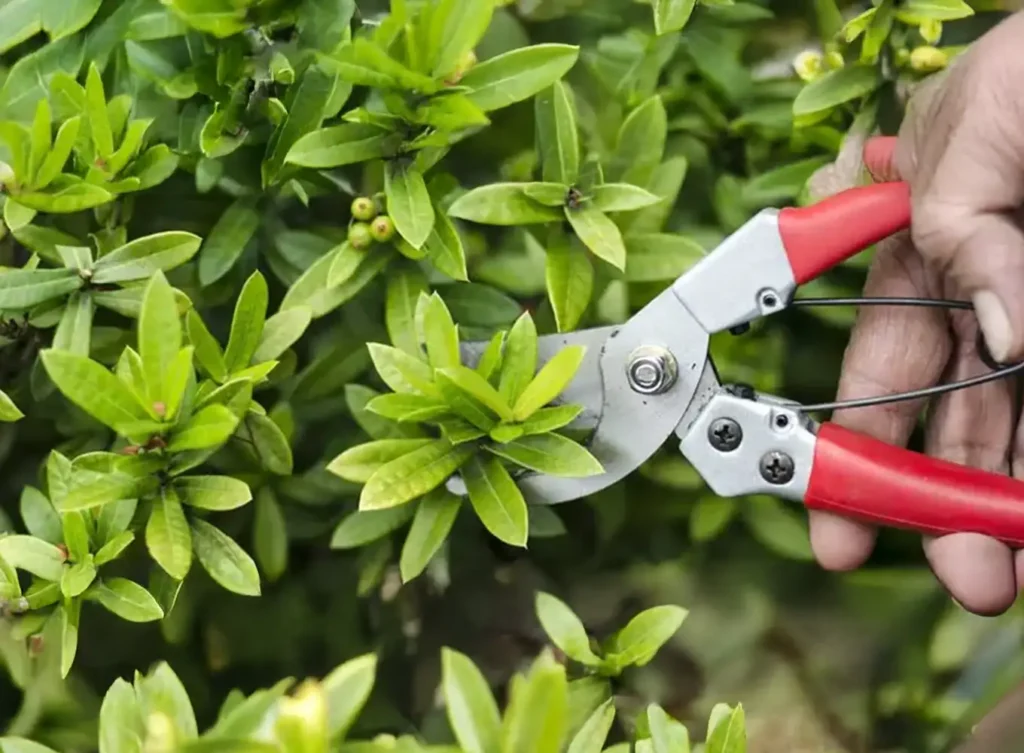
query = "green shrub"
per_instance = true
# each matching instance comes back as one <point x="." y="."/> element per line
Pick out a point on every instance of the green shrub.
<point x="242" y="241"/>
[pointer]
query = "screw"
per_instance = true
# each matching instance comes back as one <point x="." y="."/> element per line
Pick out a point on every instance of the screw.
<point x="777" y="467"/>
<point x="725" y="434"/>
<point x="769" y="299"/>
<point x="782" y="421"/>
<point x="651" y="370"/>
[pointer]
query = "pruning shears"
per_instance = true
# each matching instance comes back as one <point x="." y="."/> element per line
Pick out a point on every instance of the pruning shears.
<point x="653" y="376"/>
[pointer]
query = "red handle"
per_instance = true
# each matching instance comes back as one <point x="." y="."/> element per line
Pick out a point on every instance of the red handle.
<point x="819" y="237"/>
<point x="860" y="477"/>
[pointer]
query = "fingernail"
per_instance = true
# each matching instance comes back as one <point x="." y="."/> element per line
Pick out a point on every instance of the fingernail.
<point x="878" y="156"/>
<point x="995" y="324"/>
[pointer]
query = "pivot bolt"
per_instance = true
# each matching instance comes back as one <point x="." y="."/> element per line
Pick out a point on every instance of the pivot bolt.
<point x="777" y="467"/>
<point x="725" y="434"/>
<point x="651" y="370"/>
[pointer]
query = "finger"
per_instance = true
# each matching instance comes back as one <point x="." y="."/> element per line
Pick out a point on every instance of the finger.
<point x="880" y="158"/>
<point x="971" y="178"/>
<point x="973" y="427"/>
<point x="892" y="349"/>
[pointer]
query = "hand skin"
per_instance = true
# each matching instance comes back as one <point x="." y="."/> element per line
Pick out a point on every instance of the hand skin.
<point x="961" y="147"/>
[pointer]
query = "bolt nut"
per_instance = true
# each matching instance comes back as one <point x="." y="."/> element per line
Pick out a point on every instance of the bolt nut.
<point x="777" y="468"/>
<point x="651" y="370"/>
<point x="725" y="434"/>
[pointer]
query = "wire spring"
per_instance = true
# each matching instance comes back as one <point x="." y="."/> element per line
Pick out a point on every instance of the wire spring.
<point x="999" y="371"/>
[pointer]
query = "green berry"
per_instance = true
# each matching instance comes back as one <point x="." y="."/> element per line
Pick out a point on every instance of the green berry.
<point x="364" y="209"/>
<point x="382" y="229"/>
<point x="359" y="235"/>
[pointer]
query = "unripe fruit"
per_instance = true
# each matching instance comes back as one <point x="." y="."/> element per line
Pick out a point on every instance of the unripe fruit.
<point x="927" y="59"/>
<point x="808" y="65"/>
<point x="931" y="31"/>
<point x="382" y="229"/>
<point x="364" y="209"/>
<point x="359" y="235"/>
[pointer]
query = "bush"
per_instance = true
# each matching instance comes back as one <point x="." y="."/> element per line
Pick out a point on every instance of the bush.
<point x="243" y="241"/>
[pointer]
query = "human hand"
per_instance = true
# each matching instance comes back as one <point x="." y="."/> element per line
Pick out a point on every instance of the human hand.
<point x="961" y="147"/>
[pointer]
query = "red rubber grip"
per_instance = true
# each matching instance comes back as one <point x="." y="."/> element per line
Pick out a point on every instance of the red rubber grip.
<point x="856" y="476"/>
<point x="819" y="237"/>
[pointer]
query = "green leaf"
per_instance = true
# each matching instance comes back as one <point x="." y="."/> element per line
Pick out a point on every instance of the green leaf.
<point x="408" y="408"/>
<point x="622" y="197"/>
<point x="115" y="547"/>
<point x="671" y="15"/>
<point x="280" y="332"/>
<point x="269" y="443"/>
<point x="710" y="516"/>
<point x="549" y="382"/>
<point x="210" y="427"/>
<point x="444" y="247"/>
<point x="401" y="371"/>
<point x="660" y="257"/>
<point x="159" y="335"/>
<point x="227" y="240"/>
<point x="519" y="363"/>
<point x="435" y="516"/>
<point x="358" y="464"/>
<point x="455" y="29"/>
<point x="404" y="286"/>
<point x="441" y="335"/>
<point x="68" y="195"/>
<point x="536" y="720"/>
<point x="644" y="635"/>
<point x="469" y="704"/>
<point x="307" y="104"/>
<point x="270" y="535"/>
<point x="347" y="689"/>
<point x="504" y="204"/>
<point x="565" y="629"/>
<point x="408" y="202"/>
<point x="96" y="113"/>
<point x="142" y="257"/>
<point x="9" y="412"/>
<point x="640" y="146"/>
<point x="126" y="599"/>
<point x="479" y="389"/>
<point x="213" y="492"/>
<point x="518" y="74"/>
<point x="70" y="612"/>
<point x="569" y="275"/>
<point x="729" y="734"/>
<point x="557" y="137"/>
<point x="23" y="289"/>
<point x="75" y="579"/>
<point x="497" y="500"/>
<point x="594" y="732"/>
<point x="225" y="561"/>
<point x="412" y="475"/>
<point x="365" y="526"/>
<point x="344" y="144"/>
<point x="32" y="555"/>
<point x="599" y="233"/>
<point x="161" y="691"/>
<point x="778" y="527"/>
<point x="105" y="489"/>
<point x="167" y="535"/>
<point x="54" y="161"/>
<point x="552" y="454"/>
<point x="93" y="389"/>
<point x="247" y="323"/>
<point x="917" y="12"/>
<point x="207" y="350"/>
<point x="39" y="515"/>
<point x="120" y="724"/>
<point x="836" y="88"/>
<point x="667" y="735"/>
<point x="74" y="330"/>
